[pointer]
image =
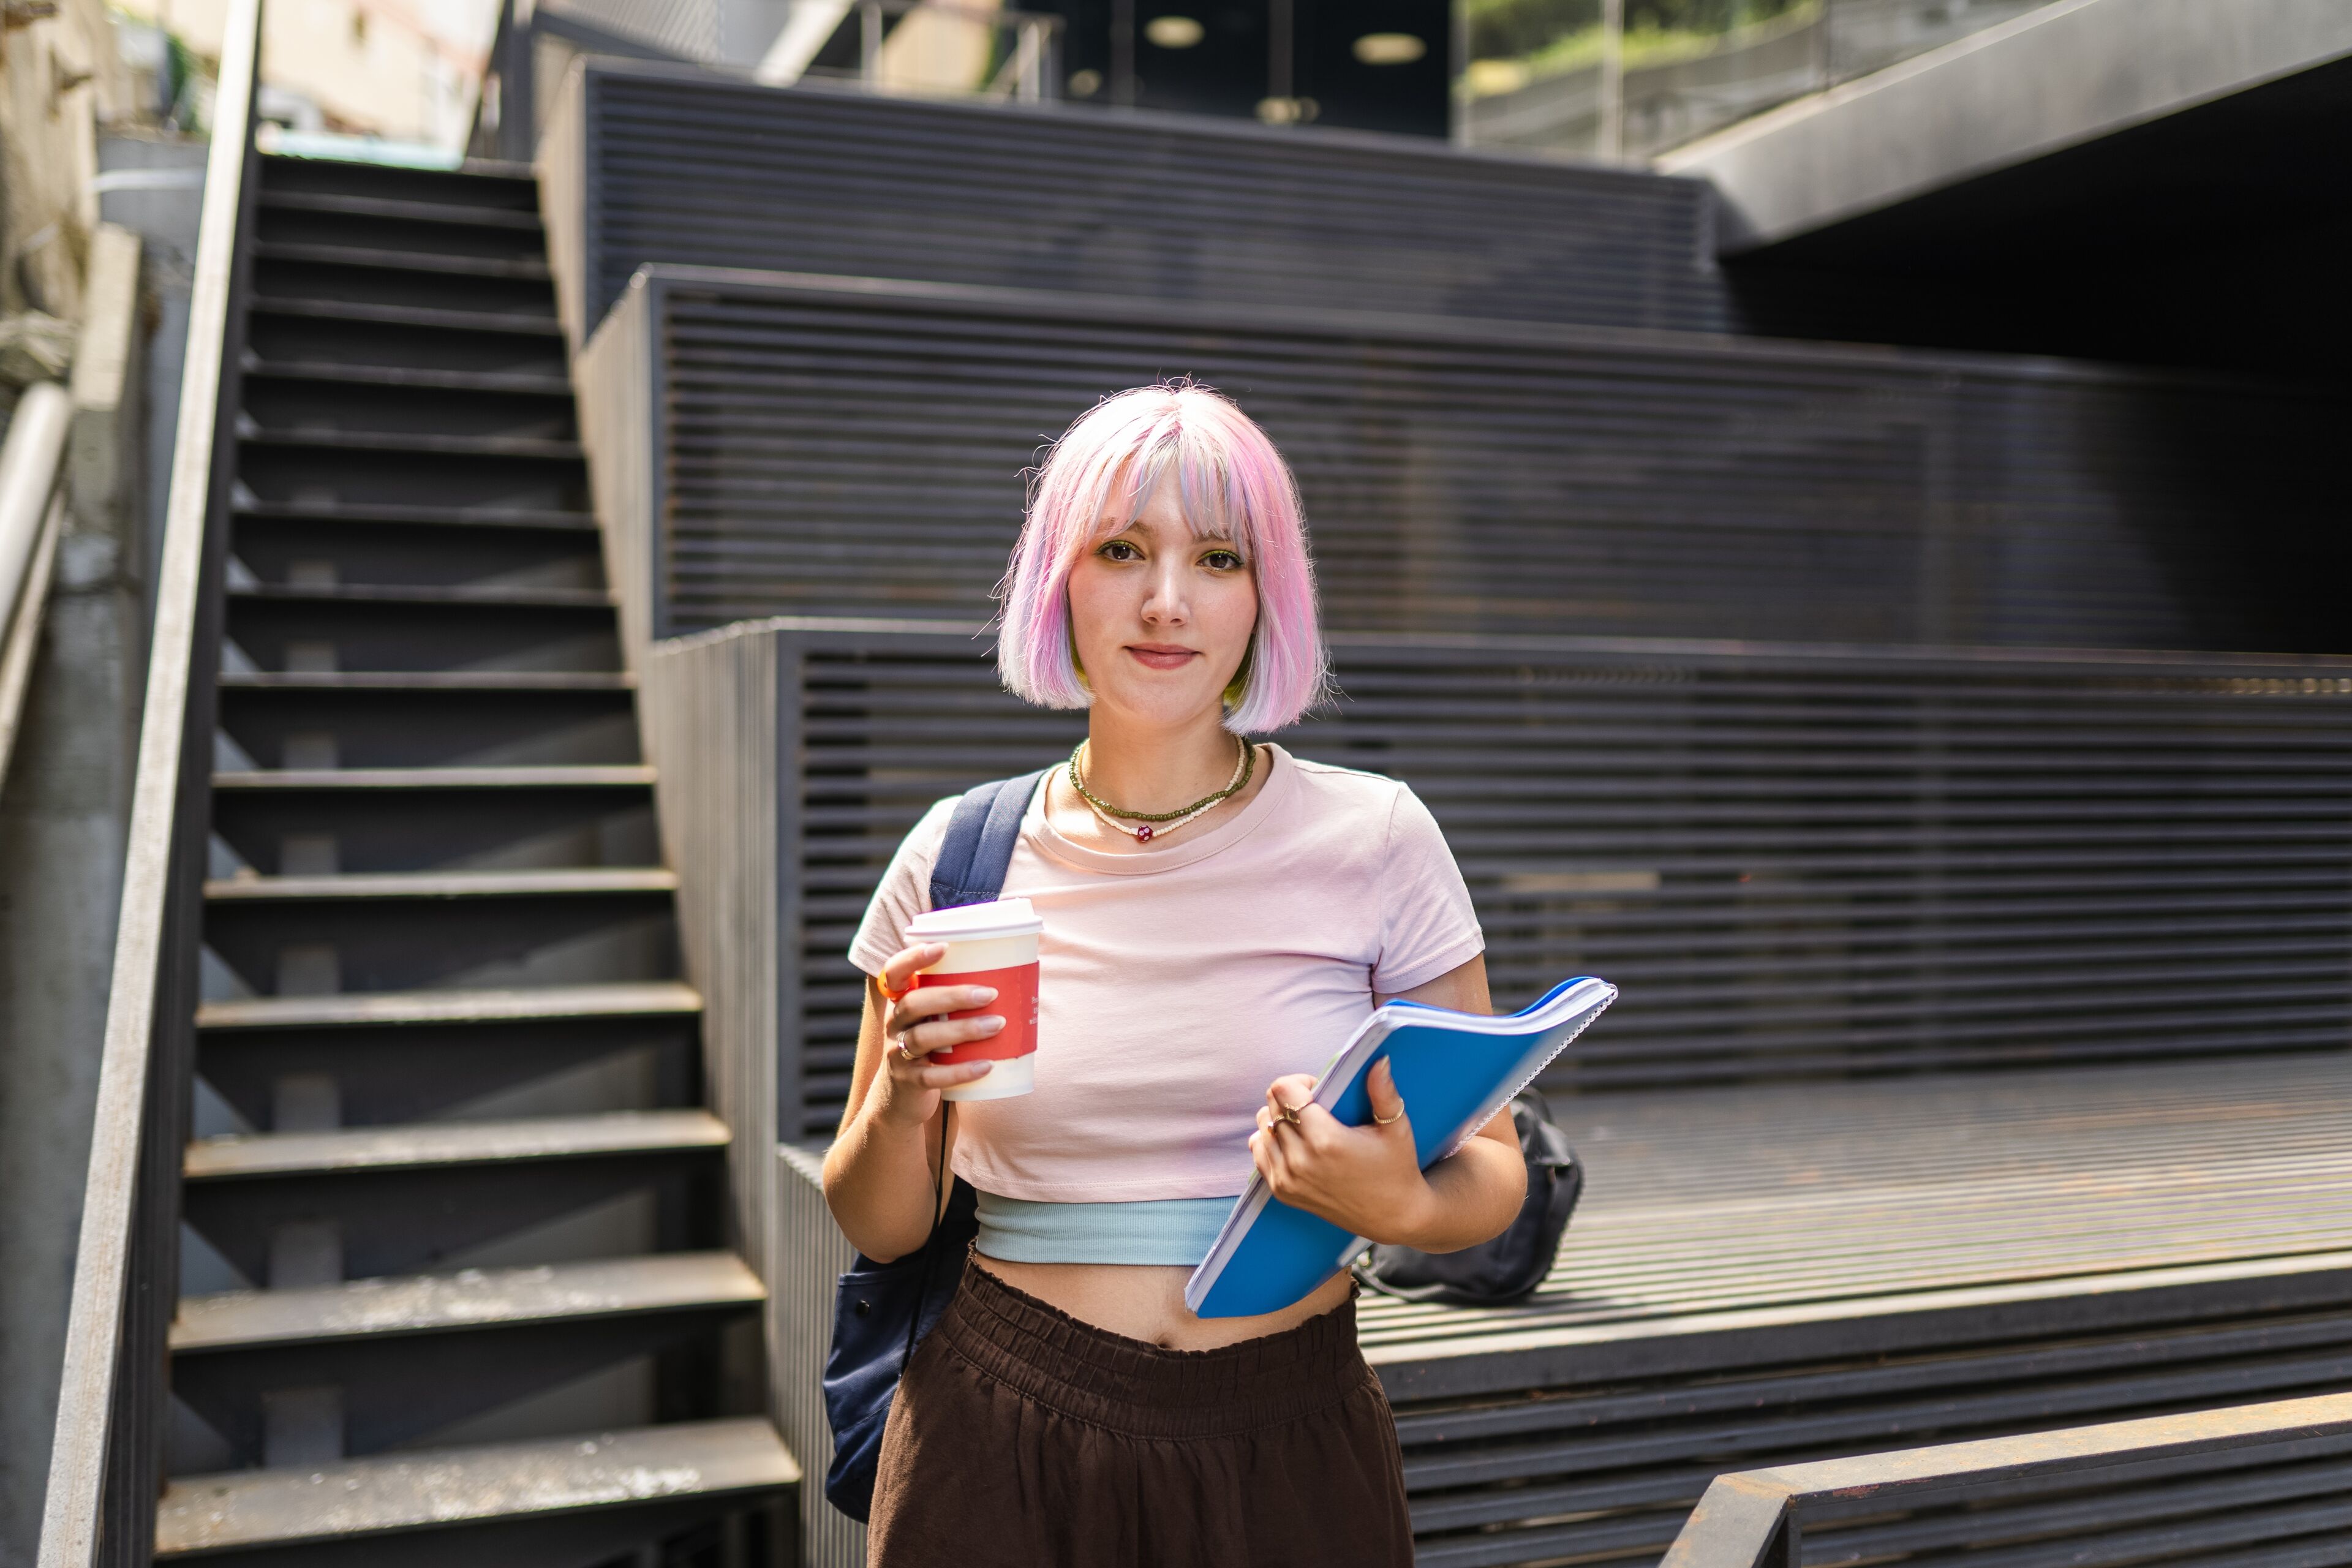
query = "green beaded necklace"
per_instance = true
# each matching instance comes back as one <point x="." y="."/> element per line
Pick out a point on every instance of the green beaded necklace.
<point x="1165" y="821"/>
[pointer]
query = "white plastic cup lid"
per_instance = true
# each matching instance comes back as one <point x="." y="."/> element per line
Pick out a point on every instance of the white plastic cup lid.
<point x="1004" y="917"/>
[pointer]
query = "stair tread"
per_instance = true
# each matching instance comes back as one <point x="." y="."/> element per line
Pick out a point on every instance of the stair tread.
<point x="471" y="1299"/>
<point x="412" y="441"/>
<point x="258" y="368"/>
<point x="430" y="594"/>
<point x="476" y="1484"/>
<point x="641" y="998"/>
<point x="431" y="679"/>
<point x="460" y="214"/>
<point x="451" y="1144"/>
<point x="556" y="775"/>
<point x="524" y="266"/>
<point x="443" y="884"/>
<point x="327" y="511"/>
<point x="510" y="322"/>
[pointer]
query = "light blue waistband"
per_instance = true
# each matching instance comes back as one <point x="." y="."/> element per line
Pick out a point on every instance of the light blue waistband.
<point x="1167" y="1231"/>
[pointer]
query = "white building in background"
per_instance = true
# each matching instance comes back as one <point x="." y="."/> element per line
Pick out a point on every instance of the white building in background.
<point x="405" y="70"/>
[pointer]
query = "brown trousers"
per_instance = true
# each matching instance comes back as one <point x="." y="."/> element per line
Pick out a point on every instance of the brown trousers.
<point x="1025" y="1438"/>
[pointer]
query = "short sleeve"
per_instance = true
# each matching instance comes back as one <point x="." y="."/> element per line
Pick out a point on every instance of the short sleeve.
<point x="1428" y="926"/>
<point x="905" y="890"/>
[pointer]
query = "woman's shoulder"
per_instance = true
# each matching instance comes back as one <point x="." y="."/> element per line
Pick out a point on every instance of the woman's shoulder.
<point x="1350" y="782"/>
<point x="1348" y="792"/>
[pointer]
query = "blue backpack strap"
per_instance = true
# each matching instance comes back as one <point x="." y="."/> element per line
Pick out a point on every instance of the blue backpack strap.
<point x="978" y="847"/>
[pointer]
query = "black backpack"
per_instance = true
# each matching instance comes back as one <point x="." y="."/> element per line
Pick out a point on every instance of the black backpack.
<point x="882" y="1310"/>
<point x="1514" y="1263"/>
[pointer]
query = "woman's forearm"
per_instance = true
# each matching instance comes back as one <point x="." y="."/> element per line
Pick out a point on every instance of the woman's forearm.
<point x="880" y="1184"/>
<point x="879" y="1178"/>
<point x="1474" y="1194"/>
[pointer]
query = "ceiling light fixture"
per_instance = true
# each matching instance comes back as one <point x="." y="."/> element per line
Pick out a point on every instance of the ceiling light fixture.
<point x="1389" y="49"/>
<point x="1173" y="32"/>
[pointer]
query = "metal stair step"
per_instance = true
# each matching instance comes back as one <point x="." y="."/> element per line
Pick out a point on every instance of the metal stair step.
<point x="425" y="627"/>
<point x="460" y="215"/>
<point x="324" y="820"/>
<point x="417" y="378"/>
<point x="440" y="885"/>
<point x="515" y="1005"/>
<point x="492" y="285"/>
<point x="406" y="1199"/>
<point x="433" y="929"/>
<point x="500" y="680"/>
<point x="487" y="594"/>
<point x="385" y="1058"/>
<point x="514" y="323"/>
<point x="462" y="1302"/>
<point x="397" y="1360"/>
<point x="328" y="512"/>
<point x="411" y="443"/>
<point x="346" y="1151"/>
<point x="404" y="469"/>
<point x="403" y="338"/>
<point x="319" y="400"/>
<point x="635" y="775"/>
<point x="428" y="718"/>
<point x="525" y="267"/>
<point x="588" y="1481"/>
<point x="454" y="552"/>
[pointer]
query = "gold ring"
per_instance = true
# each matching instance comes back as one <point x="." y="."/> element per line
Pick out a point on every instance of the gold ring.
<point x="1387" y="1121"/>
<point x="900" y="1045"/>
<point x="1289" y="1113"/>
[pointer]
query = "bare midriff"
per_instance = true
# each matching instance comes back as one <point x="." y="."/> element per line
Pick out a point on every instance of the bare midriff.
<point x="1146" y="1303"/>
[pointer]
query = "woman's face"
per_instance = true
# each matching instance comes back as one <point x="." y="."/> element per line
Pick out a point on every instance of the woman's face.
<point x="1162" y="620"/>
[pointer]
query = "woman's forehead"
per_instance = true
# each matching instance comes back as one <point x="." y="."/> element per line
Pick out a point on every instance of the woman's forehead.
<point x="1155" y="521"/>
<point x="1161" y="509"/>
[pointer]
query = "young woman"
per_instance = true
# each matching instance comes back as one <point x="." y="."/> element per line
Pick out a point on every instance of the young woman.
<point x="1219" y="916"/>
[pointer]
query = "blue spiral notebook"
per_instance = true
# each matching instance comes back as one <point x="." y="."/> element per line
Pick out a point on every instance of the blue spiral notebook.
<point x="1455" y="1070"/>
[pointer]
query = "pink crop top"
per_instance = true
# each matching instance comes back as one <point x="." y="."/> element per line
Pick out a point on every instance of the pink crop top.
<point x="1175" y="984"/>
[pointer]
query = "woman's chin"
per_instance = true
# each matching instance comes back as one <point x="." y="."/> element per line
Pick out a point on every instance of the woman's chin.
<point x="1159" y="705"/>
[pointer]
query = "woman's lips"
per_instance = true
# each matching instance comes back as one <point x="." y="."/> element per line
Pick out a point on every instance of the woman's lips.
<point x="1155" y="657"/>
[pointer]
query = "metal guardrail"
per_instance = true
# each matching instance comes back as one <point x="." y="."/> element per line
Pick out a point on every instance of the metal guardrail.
<point x="115" y="1391"/>
<point x="1756" y="1519"/>
<point x="32" y="516"/>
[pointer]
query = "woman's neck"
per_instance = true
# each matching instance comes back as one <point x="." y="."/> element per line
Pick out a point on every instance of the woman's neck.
<point x="1153" y="767"/>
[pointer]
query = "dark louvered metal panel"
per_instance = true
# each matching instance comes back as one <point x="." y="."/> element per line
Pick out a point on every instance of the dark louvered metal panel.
<point x="1607" y="1475"/>
<point x="1793" y="862"/>
<point x="682" y="167"/>
<point x="836" y="449"/>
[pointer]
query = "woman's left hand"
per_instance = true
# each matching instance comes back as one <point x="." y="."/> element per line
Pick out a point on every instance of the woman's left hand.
<point x="1365" y="1180"/>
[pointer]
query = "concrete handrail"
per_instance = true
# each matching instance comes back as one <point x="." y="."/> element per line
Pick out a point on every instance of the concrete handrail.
<point x="1753" y="1519"/>
<point x="102" y="1495"/>
<point x="30" y="463"/>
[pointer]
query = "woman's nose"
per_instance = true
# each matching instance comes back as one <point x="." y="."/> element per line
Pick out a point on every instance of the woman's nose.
<point x="1164" y="602"/>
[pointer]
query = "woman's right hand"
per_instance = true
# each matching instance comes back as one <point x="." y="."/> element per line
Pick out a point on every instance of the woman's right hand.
<point x="915" y="1027"/>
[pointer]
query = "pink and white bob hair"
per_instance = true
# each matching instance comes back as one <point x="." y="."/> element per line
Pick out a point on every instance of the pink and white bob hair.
<point x="1231" y="483"/>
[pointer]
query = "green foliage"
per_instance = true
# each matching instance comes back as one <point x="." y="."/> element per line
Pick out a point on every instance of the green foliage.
<point x="1509" y="29"/>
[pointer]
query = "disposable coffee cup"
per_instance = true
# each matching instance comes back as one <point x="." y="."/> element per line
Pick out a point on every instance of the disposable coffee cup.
<point x="989" y="944"/>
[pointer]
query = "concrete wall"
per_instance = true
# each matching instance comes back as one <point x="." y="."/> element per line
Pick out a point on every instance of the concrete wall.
<point x="2051" y="79"/>
<point x="64" y="809"/>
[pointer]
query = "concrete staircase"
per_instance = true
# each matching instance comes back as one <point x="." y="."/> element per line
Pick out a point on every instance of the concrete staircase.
<point x="468" y="1196"/>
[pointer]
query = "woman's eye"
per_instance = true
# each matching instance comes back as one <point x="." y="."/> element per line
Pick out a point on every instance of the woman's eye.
<point x="1222" y="561"/>
<point x="1121" y="550"/>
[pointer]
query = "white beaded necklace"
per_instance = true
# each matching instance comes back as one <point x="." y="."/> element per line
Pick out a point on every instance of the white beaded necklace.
<point x="1147" y="832"/>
